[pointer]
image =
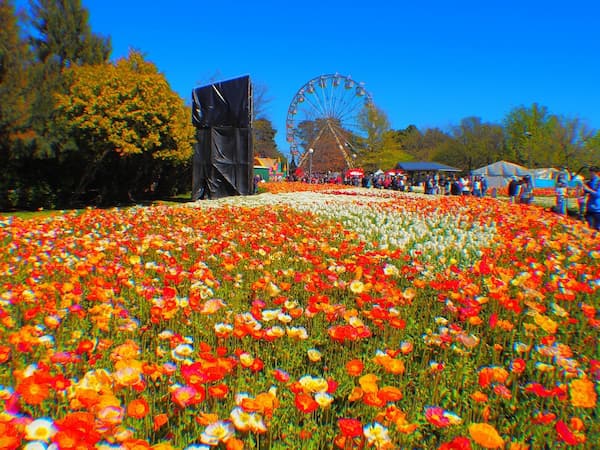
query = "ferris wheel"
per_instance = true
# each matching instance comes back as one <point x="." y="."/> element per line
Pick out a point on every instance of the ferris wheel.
<point x="323" y="118"/>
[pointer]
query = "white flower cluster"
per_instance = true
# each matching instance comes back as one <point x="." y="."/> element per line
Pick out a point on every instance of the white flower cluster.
<point x="390" y="219"/>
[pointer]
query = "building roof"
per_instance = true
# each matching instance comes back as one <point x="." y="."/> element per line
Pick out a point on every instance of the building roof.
<point x="418" y="166"/>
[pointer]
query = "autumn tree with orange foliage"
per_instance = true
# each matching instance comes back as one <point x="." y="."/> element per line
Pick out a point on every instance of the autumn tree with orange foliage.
<point x="127" y="125"/>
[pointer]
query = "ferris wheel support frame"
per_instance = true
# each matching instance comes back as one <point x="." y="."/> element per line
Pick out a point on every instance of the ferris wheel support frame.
<point x="328" y="106"/>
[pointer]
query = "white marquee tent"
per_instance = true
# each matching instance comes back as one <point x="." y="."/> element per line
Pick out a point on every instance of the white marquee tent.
<point x="499" y="173"/>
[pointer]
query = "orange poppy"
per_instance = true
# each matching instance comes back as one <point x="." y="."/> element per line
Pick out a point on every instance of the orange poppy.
<point x="234" y="444"/>
<point x="485" y="435"/>
<point x="136" y="444"/>
<point x="138" y="408"/>
<point x="354" y="367"/>
<point x="373" y="399"/>
<point x="390" y="394"/>
<point x="33" y="392"/>
<point x="4" y="353"/>
<point x="159" y="420"/>
<point x="219" y="391"/>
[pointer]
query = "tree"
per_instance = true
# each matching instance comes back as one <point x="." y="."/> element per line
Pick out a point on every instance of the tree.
<point x="122" y="121"/>
<point x="62" y="39"/>
<point x="260" y="101"/>
<point x="264" y="140"/>
<point x="64" y="36"/>
<point x="590" y="152"/>
<point x="17" y="186"/>
<point x="373" y="123"/>
<point x="527" y="134"/>
<point x="423" y="146"/>
<point x="473" y="144"/>
<point x="567" y="147"/>
<point x="541" y="139"/>
<point x="14" y="60"/>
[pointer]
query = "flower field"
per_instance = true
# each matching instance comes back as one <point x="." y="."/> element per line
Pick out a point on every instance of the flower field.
<point x="306" y="317"/>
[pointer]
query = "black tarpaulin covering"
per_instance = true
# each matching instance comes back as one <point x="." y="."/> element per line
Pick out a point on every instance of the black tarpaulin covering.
<point x="223" y="157"/>
<point x="220" y="168"/>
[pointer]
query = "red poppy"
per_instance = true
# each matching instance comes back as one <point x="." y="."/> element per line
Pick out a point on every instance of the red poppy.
<point x="159" y="420"/>
<point x="305" y="403"/>
<point x="281" y="375"/>
<point x="458" y="443"/>
<point x="517" y="365"/>
<point x="543" y="418"/>
<point x="350" y="427"/>
<point x="564" y="434"/>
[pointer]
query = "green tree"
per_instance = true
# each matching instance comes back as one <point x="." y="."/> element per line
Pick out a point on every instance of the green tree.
<point x="125" y="122"/>
<point x="542" y="139"/>
<point x="590" y="152"/>
<point x="473" y="144"/>
<point x="373" y="122"/>
<point x="423" y="146"/>
<point x="14" y="60"/>
<point x="528" y="132"/>
<point x="17" y="186"/>
<point x="263" y="135"/>
<point x="63" y="35"/>
<point x="567" y="146"/>
<point x="62" y="38"/>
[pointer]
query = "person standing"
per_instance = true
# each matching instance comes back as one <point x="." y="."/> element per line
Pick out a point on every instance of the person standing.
<point x="526" y="193"/>
<point x="561" y="194"/>
<point x="579" y="193"/>
<point x="484" y="185"/>
<point x="513" y="189"/>
<point x="465" y="185"/>
<point x="477" y="186"/>
<point x="592" y="188"/>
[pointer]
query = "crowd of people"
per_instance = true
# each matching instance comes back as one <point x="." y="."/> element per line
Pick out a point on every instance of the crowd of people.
<point x="520" y="189"/>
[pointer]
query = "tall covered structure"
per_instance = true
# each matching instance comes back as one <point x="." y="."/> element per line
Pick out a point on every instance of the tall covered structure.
<point x="223" y="156"/>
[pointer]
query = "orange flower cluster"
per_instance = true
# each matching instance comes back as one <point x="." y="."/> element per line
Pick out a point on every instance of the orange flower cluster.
<point x="235" y="325"/>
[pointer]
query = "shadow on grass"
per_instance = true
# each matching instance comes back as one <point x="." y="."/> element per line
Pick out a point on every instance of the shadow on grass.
<point x="25" y="214"/>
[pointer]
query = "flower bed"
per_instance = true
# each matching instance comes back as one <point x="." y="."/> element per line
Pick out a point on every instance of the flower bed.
<point x="345" y="318"/>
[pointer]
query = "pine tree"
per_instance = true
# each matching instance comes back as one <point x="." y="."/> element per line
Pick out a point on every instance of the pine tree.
<point x="63" y="39"/>
<point x="14" y="135"/>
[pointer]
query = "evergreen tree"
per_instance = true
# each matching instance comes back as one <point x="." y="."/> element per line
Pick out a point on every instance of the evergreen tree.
<point x="35" y="152"/>
<point x="14" y="113"/>
<point x="13" y="66"/>
<point x="263" y="136"/>
<point x="62" y="38"/>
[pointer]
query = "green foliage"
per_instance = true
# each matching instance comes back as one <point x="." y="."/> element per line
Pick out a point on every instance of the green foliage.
<point x="263" y="139"/>
<point x="390" y="154"/>
<point x="474" y="144"/>
<point x="14" y="57"/>
<point x="541" y="139"/>
<point x="374" y="123"/>
<point x="423" y="146"/>
<point x="64" y="35"/>
<point x="124" y="119"/>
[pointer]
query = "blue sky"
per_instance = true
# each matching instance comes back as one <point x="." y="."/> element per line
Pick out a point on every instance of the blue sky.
<point x="427" y="63"/>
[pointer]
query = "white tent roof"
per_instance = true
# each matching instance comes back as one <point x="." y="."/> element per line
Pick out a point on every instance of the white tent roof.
<point x="502" y="169"/>
<point x="548" y="173"/>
